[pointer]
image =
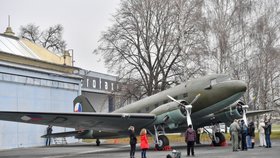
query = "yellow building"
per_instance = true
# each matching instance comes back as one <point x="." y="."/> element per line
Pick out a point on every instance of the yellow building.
<point x="22" y="51"/>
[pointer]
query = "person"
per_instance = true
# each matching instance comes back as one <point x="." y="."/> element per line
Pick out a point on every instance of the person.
<point x="132" y="141"/>
<point x="144" y="143"/>
<point x="190" y="137"/>
<point x="234" y="130"/>
<point x="261" y="134"/>
<point x="199" y="131"/>
<point x="239" y="135"/>
<point x="251" y="135"/>
<point x="244" y="133"/>
<point x="267" y="132"/>
<point x="49" y="132"/>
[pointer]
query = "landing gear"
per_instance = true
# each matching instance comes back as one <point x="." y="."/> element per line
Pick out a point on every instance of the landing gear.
<point x="162" y="142"/>
<point x="218" y="139"/>
<point x="98" y="142"/>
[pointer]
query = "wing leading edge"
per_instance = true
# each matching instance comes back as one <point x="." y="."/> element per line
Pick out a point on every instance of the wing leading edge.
<point x="96" y="121"/>
<point x="257" y="112"/>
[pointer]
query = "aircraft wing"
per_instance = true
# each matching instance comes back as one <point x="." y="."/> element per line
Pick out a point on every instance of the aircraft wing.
<point x="81" y="120"/>
<point x="257" y="112"/>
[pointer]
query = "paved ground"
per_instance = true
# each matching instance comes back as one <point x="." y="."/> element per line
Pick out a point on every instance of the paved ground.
<point x="121" y="151"/>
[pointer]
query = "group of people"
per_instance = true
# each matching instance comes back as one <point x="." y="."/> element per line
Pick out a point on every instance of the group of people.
<point x="244" y="135"/>
<point x="144" y="144"/>
<point x="240" y="133"/>
<point x="190" y="138"/>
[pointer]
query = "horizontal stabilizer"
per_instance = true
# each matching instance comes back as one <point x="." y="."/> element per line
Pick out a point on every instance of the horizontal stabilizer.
<point x="61" y="134"/>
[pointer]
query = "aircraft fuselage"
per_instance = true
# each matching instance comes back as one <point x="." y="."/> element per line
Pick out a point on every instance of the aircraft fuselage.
<point x="216" y="93"/>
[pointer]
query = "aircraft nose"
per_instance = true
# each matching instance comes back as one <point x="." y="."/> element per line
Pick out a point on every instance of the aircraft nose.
<point x="237" y="86"/>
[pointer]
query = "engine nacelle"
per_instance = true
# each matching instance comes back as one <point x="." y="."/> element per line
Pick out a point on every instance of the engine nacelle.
<point x="171" y="114"/>
<point x="226" y="115"/>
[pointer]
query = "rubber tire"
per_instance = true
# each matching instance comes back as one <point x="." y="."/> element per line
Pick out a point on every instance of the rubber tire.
<point x="163" y="142"/>
<point x="221" y="139"/>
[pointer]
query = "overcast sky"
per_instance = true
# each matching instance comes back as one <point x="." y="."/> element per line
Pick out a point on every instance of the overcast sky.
<point x="83" y="22"/>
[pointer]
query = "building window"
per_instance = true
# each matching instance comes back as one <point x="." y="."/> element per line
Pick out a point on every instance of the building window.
<point x="38" y="81"/>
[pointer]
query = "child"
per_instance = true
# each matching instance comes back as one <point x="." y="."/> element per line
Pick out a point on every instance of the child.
<point x="144" y="142"/>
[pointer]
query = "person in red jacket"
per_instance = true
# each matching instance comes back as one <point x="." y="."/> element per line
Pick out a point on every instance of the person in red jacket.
<point x="144" y="142"/>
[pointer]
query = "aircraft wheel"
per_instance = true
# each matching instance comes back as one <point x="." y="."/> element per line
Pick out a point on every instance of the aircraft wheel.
<point x="97" y="142"/>
<point x="162" y="142"/>
<point x="220" y="139"/>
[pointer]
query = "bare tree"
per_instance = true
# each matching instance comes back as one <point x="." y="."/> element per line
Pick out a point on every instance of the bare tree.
<point x="227" y="33"/>
<point x="266" y="38"/>
<point x="149" y="41"/>
<point x="50" y="39"/>
<point x="154" y="44"/>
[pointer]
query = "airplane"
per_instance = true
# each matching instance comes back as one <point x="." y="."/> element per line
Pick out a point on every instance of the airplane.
<point x="200" y="102"/>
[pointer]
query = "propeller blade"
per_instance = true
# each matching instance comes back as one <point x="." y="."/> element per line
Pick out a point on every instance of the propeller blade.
<point x="175" y="100"/>
<point x="244" y="108"/>
<point x="189" y="120"/>
<point x="195" y="99"/>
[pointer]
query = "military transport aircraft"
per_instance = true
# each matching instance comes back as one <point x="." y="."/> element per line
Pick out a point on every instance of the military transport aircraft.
<point x="201" y="102"/>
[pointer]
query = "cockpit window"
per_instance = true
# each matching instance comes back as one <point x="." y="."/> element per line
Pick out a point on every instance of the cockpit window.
<point x="219" y="79"/>
<point x="212" y="83"/>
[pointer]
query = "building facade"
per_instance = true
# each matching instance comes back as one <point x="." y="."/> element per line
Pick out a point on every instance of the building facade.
<point x="31" y="82"/>
<point x="100" y="89"/>
<point x="35" y="79"/>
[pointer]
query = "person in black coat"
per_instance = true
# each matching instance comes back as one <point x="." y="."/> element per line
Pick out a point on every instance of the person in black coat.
<point x="251" y="135"/>
<point x="267" y="131"/>
<point x="244" y="133"/>
<point x="132" y="141"/>
<point x="49" y="132"/>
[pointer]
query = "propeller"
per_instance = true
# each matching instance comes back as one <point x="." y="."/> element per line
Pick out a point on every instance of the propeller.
<point x="186" y="107"/>
<point x="244" y="111"/>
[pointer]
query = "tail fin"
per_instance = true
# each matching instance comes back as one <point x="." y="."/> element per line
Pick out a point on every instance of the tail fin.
<point x="82" y="104"/>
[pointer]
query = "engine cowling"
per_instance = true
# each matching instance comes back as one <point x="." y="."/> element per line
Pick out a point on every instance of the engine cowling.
<point x="227" y="115"/>
<point x="171" y="114"/>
